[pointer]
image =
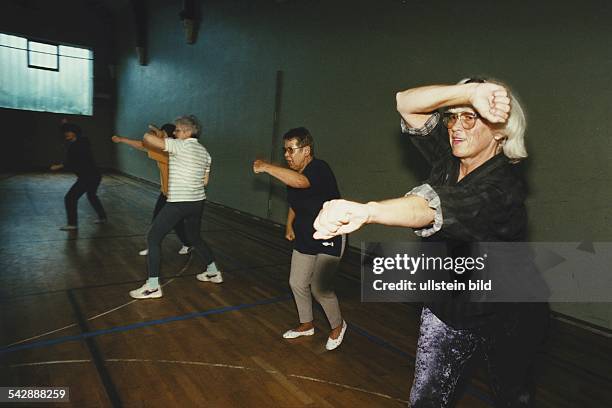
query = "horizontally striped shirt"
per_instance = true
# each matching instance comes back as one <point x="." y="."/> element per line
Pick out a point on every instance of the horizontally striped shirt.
<point x="189" y="164"/>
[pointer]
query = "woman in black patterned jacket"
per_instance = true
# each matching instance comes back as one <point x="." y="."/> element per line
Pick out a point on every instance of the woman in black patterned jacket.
<point x="471" y="134"/>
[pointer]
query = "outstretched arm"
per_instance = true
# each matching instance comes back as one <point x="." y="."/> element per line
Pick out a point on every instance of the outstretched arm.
<point x="154" y="139"/>
<point x="287" y="176"/>
<point x="151" y="141"/>
<point x="136" y="144"/>
<point x="342" y="217"/>
<point x="490" y="100"/>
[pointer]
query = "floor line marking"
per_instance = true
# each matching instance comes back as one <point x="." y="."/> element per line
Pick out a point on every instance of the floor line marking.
<point x="38" y="336"/>
<point x="216" y="365"/>
<point x="103" y="375"/>
<point x="183" y="269"/>
<point x="118" y="329"/>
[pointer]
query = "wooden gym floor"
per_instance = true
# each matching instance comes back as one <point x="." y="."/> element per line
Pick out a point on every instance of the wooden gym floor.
<point x="67" y="319"/>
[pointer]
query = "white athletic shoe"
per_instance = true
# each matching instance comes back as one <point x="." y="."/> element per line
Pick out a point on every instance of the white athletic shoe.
<point x="334" y="343"/>
<point x="184" y="250"/>
<point x="100" y="221"/>
<point x="214" y="277"/>
<point x="69" y="228"/>
<point x="293" y="334"/>
<point x="146" y="292"/>
<point x="144" y="252"/>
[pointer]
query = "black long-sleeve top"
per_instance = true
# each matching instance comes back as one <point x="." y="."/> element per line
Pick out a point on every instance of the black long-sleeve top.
<point x="79" y="158"/>
<point x="487" y="205"/>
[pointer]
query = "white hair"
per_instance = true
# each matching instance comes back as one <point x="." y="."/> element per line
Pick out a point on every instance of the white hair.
<point x="190" y="121"/>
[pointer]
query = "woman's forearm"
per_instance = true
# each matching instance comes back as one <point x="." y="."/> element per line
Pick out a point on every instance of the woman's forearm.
<point x="287" y="176"/>
<point x="410" y="211"/>
<point x="151" y="141"/>
<point x="427" y="99"/>
<point x="290" y="218"/>
<point x="416" y="105"/>
<point x="490" y="100"/>
<point x="136" y="144"/>
<point x="343" y="217"/>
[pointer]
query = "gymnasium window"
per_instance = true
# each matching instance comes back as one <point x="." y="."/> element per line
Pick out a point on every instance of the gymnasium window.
<point x="47" y="77"/>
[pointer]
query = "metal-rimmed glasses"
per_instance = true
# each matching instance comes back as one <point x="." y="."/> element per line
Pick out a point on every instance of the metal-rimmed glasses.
<point x="468" y="119"/>
<point x="291" y="150"/>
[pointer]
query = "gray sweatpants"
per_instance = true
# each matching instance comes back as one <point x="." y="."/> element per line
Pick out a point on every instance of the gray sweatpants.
<point x="314" y="275"/>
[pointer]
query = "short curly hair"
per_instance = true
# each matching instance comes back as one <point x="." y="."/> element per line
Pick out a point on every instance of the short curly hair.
<point x="190" y="121"/>
<point x="303" y="137"/>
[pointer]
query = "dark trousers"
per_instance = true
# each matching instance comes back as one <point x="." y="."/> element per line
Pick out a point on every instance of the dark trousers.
<point x="178" y="228"/>
<point x="443" y="353"/>
<point x="84" y="184"/>
<point x="189" y="212"/>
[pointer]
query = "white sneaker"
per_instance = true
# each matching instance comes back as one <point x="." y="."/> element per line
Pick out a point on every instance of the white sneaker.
<point x="334" y="343"/>
<point x="146" y="292"/>
<point x="214" y="277"/>
<point x="184" y="250"/>
<point x="293" y="334"/>
<point x="69" y="227"/>
<point x="100" y="221"/>
<point x="144" y="252"/>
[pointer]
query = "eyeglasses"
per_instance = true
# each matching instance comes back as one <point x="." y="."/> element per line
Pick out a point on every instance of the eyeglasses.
<point x="291" y="150"/>
<point x="468" y="119"/>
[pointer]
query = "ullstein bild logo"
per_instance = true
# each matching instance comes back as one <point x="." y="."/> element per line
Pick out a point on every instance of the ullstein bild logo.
<point x="428" y="271"/>
<point x="431" y="285"/>
<point x="411" y="264"/>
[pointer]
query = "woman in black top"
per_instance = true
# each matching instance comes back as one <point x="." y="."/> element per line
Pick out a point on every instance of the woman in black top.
<point x="310" y="182"/>
<point x="470" y="133"/>
<point x="79" y="159"/>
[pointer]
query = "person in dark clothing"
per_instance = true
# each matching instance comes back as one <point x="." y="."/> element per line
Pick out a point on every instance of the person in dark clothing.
<point x="471" y="134"/>
<point x="310" y="182"/>
<point x="79" y="159"/>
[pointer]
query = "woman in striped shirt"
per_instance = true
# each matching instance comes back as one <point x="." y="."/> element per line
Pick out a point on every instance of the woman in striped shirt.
<point x="161" y="158"/>
<point x="189" y="172"/>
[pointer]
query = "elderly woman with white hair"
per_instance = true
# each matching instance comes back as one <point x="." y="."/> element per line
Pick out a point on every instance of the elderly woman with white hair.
<point x="189" y="172"/>
<point x="471" y="133"/>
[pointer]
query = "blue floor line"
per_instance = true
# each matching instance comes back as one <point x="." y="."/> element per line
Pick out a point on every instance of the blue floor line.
<point x="119" y="329"/>
<point x="375" y="339"/>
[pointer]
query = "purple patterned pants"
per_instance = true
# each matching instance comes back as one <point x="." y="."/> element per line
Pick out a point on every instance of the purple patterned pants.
<point x="443" y="353"/>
